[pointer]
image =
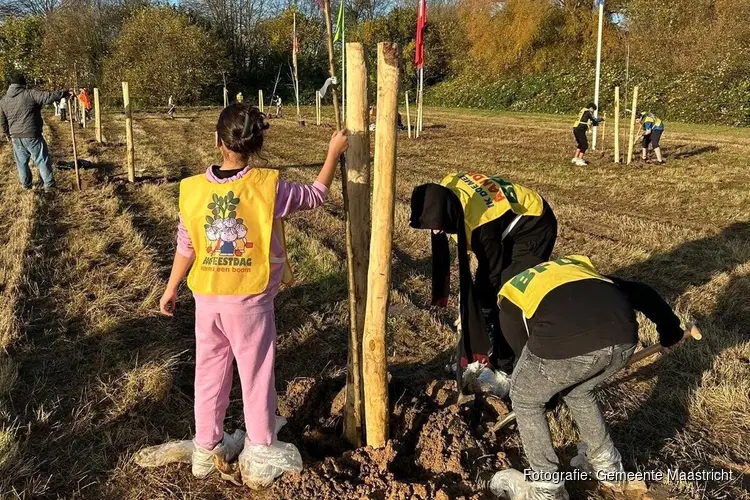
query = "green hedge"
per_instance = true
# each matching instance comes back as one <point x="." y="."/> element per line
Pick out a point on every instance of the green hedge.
<point x="696" y="98"/>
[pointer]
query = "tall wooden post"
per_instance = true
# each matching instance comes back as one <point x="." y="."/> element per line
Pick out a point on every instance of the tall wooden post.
<point x="617" y="124"/>
<point x="97" y="116"/>
<point x="226" y="97"/>
<point x="604" y="129"/>
<point x="634" y="109"/>
<point x="381" y="242"/>
<point x="358" y="226"/>
<point x="260" y="100"/>
<point x="129" y="131"/>
<point x="75" y="151"/>
<point x="408" y="115"/>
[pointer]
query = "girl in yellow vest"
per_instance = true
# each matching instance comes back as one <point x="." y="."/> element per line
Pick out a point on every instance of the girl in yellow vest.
<point x="581" y="126"/>
<point x="507" y="226"/>
<point x="231" y="241"/>
<point x="571" y="328"/>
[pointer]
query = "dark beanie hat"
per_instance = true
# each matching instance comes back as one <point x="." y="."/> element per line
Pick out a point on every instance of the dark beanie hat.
<point x="18" y="79"/>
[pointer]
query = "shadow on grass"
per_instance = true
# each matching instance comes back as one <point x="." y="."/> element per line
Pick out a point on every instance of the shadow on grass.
<point x="663" y="421"/>
<point x="682" y="151"/>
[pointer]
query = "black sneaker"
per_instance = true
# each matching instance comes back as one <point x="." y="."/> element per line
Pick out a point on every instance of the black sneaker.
<point x="483" y="481"/>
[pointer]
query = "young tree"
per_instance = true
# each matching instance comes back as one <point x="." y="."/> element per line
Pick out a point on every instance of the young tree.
<point x="20" y="44"/>
<point x="160" y="54"/>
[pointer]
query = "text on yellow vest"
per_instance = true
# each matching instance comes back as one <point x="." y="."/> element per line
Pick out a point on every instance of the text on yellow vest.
<point x="230" y="226"/>
<point x="485" y="199"/>
<point x="528" y="288"/>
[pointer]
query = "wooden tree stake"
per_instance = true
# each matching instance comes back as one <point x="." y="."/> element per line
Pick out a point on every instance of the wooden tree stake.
<point x="358" y="226"/>
<point x="604" y="129"/>
<point x="75" y="151"/>
<point x="617" y="124"/>
<point x="260" y="100"/>
<point x="97" y="116"/>
<point x="408" y="115"/>
<point x="130" y="156"/>
<point x="379" y="272"/>
<point x="634" y="109"/>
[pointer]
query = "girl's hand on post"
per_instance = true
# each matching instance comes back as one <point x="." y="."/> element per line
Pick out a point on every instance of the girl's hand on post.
<point x="339" y="143"/>
<point x="167" y="302"/>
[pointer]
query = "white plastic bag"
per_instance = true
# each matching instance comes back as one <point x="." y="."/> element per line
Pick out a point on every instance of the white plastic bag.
<point x="511" y="484"/>
<point x="261" y="464"/>
<point x="178" y="451"/>
<point x="167" y="453"/>
<point x="478" y="378"/>
<point x="608" y="461"/>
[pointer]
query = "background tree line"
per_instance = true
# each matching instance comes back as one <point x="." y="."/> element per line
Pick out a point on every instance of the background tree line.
<point x="691" y="58"/>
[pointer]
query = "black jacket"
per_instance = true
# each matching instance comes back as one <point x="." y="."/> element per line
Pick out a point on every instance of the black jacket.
<point x="583" y="316"/>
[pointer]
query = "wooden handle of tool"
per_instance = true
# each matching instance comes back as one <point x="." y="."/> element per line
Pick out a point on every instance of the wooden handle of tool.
<point x="691" y="332"/>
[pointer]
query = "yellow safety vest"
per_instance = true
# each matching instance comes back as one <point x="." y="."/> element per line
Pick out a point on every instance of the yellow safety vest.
<point x="653" y="119"/>
<point x="528" y="288"/>
<point x="580" y="121"/>
<point x="485" y="199"/>
<point x="230" y="226"/>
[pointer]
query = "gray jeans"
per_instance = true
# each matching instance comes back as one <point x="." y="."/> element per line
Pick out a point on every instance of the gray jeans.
<point x="536" y="380"/>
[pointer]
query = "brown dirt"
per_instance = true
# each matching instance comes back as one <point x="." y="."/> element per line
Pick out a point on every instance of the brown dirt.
<point x="437" y="447"/>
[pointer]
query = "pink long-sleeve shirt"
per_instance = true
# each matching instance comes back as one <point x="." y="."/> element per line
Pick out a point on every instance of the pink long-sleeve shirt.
<point x="290" y="198"/>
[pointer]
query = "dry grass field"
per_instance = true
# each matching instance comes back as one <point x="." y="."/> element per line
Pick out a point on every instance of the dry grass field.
<point x="90" y="373"/>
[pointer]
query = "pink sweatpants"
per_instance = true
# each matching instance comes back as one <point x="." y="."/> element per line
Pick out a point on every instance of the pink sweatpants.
<point x="220" y="338"/>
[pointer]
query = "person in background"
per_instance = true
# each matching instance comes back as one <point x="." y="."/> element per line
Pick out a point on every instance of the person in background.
<point x="279" y="108"/>
<point x="653" y="128"/>
<point x="586" y="120"/>
<point x="239" y="98"/>
<point x="85" y="104"/>
<point x="172" y="109"/>
<point x="230" y="223"/>
<point x="21" y="122"/>
<point x="571" y="328"/>
<point x="63" y="108"/>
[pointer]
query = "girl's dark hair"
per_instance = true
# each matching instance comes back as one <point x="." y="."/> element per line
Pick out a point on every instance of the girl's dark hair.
<point x="241" y="128"/>
<point x="592" y="106"/>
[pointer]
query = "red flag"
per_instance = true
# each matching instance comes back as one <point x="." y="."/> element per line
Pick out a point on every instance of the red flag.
<point x="421" y="21"/>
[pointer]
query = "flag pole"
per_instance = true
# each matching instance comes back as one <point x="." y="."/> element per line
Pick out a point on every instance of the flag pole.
<point x="343" y="63"/>
<point x="598" y="70"/>
<point x="294" y="61"/>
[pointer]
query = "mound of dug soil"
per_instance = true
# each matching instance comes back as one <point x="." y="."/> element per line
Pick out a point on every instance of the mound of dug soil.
<point x="435" y="451"/>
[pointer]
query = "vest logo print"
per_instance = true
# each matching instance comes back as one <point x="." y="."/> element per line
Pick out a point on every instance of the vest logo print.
<point x="226" y="235"/>
<point x="491" y="189"/>
<point x="521" y="281"/>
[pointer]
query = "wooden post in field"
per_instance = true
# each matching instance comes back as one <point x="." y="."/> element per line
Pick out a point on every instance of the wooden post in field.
<point x="358" y="227"/>
<point x="226" y="97"/>
<point x="75" y="151"/>
<point x="317" y="107"/>
<point x="408" y="116"/>
<point x="633" y="110"/>
<point x="260" y="100"/>
<point x="617" y="124"/>
<point x="379" y="273"/>
<point x="129" y="131"/>
<point x="604" y="128"/>
<point x="97" y="116"/>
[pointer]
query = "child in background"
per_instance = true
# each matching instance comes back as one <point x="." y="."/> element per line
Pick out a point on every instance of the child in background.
<point x="581" y="126"/>
<point x="231" y="240"/>
<point x="63" y="108"/>
<point x="171" y="111"/>
<point x="653" y="128"/>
